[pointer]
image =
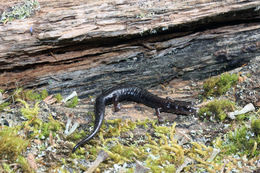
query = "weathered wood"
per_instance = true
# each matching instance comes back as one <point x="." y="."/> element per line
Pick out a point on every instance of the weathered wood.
<point x="84" y="45"/>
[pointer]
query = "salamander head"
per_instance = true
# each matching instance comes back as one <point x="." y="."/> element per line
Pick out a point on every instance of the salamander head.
<point x="179" y="107"/>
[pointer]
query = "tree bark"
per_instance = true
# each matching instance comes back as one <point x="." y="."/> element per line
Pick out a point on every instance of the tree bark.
<point x="89" y="45"/>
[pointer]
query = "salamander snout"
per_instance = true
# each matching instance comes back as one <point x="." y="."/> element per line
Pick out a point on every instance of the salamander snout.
<point x="181" y="107"/>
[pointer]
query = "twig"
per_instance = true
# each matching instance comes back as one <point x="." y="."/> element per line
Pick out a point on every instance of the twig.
<point x="249" y="107"/>
<point x="139" y="168"/>
<point x="214" y="154"/>
<point x="102" y="155"/>
<point x="73" y="94"/>
<point x="70" y="117"/>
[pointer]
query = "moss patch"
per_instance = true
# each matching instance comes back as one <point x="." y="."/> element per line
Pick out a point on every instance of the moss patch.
<point x="241" y="141"/>
<point x="24" y="164"/>
<point x="256" y="126"/>
<point x="219" y="85"/>
<point x="30" y="95"/>
<point x="36" y="126"/>
<point x="73" y="102"/>
<point x="58" y="97"/>
<point x="158" y="151"/>
<point x="4" y="105"/>
<point x="217" y="108"/>
<point x="11" y="143"/>
<point x="51" y="126"/>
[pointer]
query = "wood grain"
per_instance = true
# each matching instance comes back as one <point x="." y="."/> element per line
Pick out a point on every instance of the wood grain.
<point x="88" y="45"/>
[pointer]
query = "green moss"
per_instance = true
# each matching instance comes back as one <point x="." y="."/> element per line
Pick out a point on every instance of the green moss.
<point x="256" y="126"/>
<point x="249" y="75"/>
<point x="126" y="152"/>
<point x="20" y="11"/>
<point x="58" y="97"/>
<point x="30" y="95"/>
<point x="73" y="102"/>
<point x="27" y="111"/>
<point x="79" y="153"/>
<point x="6" y="168"/>
<point x="44" y="94"/>
<point x="160" y="129"/>
<point x="17" y="94"/>
<point x="217" y="108"/>
<point x="219" y="85"/>
<point x="158" y="149"/>
<point x="24" y="164"/>
<point x="4" y="105"/>
<point x="241" y="141"/>
<point x="76" y="136"/>
<point x="36" y="96"/>
<point x="241" y="117"/>
<point x="170" y="168"/>
<point x="117" y="126"/>
<point x="11" y="143"/>
<point x="51" y="126"/>
<point x="35" y="125"/>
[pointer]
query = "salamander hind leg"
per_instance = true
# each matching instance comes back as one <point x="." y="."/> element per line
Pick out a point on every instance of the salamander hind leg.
<point x="116" y="103"/>
<point x="157" y="112"/>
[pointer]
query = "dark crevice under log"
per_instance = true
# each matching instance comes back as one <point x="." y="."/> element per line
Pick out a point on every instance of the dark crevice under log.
<point x="194" y="56"/>
<point x="89" y="60"/>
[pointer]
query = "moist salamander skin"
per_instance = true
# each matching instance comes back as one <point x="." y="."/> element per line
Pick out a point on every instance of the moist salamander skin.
<point x="136" y="94"/>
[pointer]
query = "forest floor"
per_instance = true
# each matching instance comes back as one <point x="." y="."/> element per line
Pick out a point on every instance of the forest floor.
<point x="37" y="134"/>
<point x="132" y="139"/>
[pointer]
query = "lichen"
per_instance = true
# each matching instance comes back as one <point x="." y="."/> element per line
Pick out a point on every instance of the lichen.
<point x="219" y="85"/>
<point x="20" y="11"/>
<point x="217" y="108"/>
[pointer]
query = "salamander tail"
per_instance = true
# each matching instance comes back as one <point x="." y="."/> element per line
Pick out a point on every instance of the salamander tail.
<point x="99" y="117"/>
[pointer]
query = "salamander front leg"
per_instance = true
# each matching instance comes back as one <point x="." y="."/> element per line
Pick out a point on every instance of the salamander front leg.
<point x="157" y="112"/>
<point x="116" y="104"/>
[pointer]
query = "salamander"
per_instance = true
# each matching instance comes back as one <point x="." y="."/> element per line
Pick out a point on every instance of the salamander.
<point x="137" y="94"/>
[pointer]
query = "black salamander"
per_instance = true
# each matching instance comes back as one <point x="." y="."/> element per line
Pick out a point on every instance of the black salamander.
<point x="120" y="93"/>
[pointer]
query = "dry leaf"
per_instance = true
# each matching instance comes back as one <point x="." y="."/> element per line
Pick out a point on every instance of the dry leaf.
<point x="31" y="161"/>
<point x="51" y="141"/>
<point x="50" y="100"/>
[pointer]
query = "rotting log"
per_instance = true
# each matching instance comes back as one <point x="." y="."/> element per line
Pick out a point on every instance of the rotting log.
<point x="89" y="45"/>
